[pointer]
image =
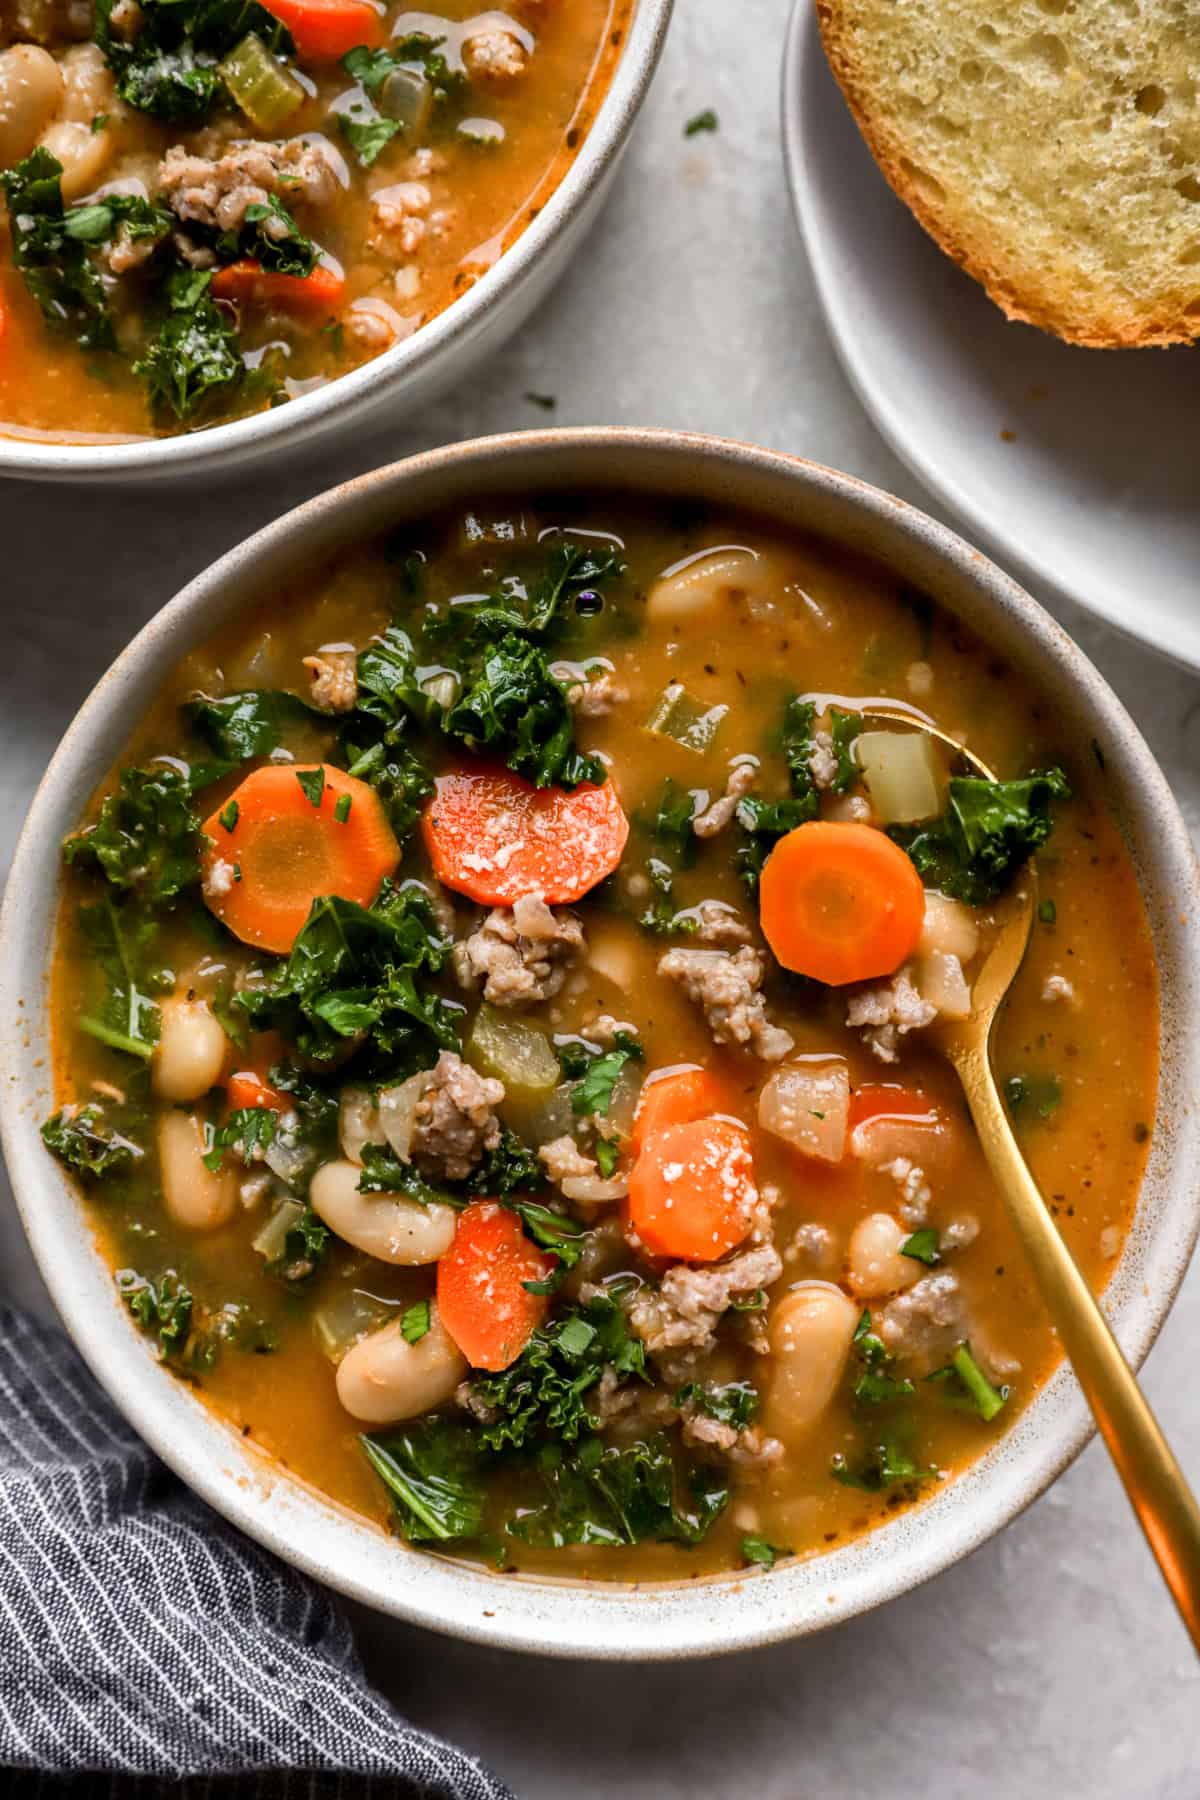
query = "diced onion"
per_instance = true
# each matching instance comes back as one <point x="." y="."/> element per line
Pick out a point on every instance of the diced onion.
<point x="441" y="689"/>
<point x="398" y="1112"/>
<point x="594" y="1190"/>
<point x="686" y="720"/>
<point x="407" y="97"/>
<point x="358" y="1123"/>
<point x="808" y="1106"/>
<point x="292" y="1162"/>
<point x="515" y="1053"/>
<point x="339" y="1324"/>
<point x="901" y="774"/>
<point x="941" y="981"/>
<point x="271" y="1241"/>
<point x="949" y="929"/>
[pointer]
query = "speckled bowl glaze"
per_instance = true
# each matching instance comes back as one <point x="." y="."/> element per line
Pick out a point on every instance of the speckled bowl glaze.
<point x="560" y="1617"/>
<point x="414" y="372"/>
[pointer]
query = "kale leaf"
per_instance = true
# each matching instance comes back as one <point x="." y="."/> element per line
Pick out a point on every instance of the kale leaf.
<point x="304" y="1245"/>
<point x="542" y="1394"/>
<point x="612" y="1496"/>
<point x="248" y="1131"/>
<point x="432" y="1471"/>
<point x="674" y="849"/>
<point x="147" y="837"/>
<point x="1039" y="1095"/>
<point x="193" y="362"/>
<point x="253" y="723"/>
<point x="357" y="970"/>
<point x="987" y="832"/>
<point x="876" y="1384"/>
<point x="272" y="238"/>
<point x="383" y="1172"/>
<point x="162" y="1308"/>
<point x="844" y="727"/>
<point x="119" y="938"/>
<point x="536" y="604"/>
<point x="169" y="67"/>
<point x="87" y="1141"/>
<point x="52" y="245"/>
<point x="734" y="1403"/>
<point x="369" y="131"/>
<point x="764" y="822"/>
<point x="593" y="1094"/>
<point x="511" y="705"/>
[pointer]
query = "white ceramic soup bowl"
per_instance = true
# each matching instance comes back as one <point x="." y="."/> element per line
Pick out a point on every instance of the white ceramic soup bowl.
<point x="558" y="1616"/>
<point x="412" y="373"/>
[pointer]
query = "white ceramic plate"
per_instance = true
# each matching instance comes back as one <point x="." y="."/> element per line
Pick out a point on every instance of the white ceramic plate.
<point x="1078" y="467"/>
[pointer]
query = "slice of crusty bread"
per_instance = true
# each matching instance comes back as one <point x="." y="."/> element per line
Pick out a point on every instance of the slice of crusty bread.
<point x="1052" y="147"/>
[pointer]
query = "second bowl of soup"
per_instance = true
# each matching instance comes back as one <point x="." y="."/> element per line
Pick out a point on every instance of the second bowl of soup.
<point x="497" y="963"/>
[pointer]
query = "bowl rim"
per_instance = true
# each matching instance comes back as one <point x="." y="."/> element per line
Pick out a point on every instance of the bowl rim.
<point x="621" y="1621"/>
<point x="345" y="400"/>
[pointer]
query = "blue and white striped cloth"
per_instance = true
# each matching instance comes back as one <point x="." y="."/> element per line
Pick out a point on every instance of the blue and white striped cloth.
<point x="147" y="1648"/>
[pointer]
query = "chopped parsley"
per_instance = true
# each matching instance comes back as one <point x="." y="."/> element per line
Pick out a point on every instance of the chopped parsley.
<point x="312" y="781"/>
<point x="415" y="1321"/>
<point x="923" y="1246"/>
<point x="701" y="121"/>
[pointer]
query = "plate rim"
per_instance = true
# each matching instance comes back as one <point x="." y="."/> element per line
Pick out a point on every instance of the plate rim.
<point x="801" y="45"/>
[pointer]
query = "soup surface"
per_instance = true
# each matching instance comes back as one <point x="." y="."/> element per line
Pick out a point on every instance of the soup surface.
<point x="215" y="206"/>
<point x="494" y="1023"/>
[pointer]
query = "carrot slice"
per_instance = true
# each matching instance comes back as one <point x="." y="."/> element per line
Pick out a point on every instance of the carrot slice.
<point x="250" y="284"/>
<point x="270" y="852"/>
<point x="888" y="1100"/>
<point x="246" y="1089"/>
<point x="494" y="836"/>
<point x="691" y="1190"/>
<point x="323" y="30"/>
<point x="840" y="902"/>
<point x="481" y="1298"/>
<point x="676" y="1097"/>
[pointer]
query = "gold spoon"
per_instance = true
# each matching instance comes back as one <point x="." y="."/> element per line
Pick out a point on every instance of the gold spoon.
<point x="1155" y="1483"/>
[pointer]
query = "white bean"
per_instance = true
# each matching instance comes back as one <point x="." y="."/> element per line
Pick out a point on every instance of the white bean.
<point x="83" y="153"/>
<point x="88" y="82"/>
<point x="810" y="1331"/>
<point x="385" y="1378"/>
<point x="191" y="1049"/>
<point x="387" y="1226"/>
<point x="31" y="93"/>
<point x="700" y="584"/>
<point x="194" y="1196"/>
<point x="874" y="1265"/>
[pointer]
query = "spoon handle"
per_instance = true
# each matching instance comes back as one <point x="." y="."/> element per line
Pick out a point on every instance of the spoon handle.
<point x="1156" y="1485"/>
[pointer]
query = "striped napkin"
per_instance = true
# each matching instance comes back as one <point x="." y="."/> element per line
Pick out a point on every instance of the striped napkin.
<point x="146" y="1647"/>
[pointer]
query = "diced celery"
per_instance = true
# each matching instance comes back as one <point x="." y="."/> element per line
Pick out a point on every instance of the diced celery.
<point x="267" y="93"/>
<point x="678" y="715"/>
<point x="343" y="1320"/>
<point x="516" y="1054"/>
<point x="407" y="97"/>
<point x="902" y="775"/>
<point x="271" y="1240"/>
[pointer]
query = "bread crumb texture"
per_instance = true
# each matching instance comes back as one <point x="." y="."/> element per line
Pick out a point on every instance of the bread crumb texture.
<point x="1052" y="147"/>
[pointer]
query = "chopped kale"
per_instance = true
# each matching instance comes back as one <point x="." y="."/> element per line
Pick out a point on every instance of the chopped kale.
<point x="312" y="782"/>
<point x="119" y="938"/>
<point x="988" y="831"/>
<point x="359" y="970"/>
<point x="87" y="1141"/>
<point x="701" y="121"/>
<point x="193" y="361"/>
<point x="511" y="705"/>
<point x="396" y="772"/>
<point x="1037" y="1096"/>
<point x="968" y="1387"/>
<point x="415" y="1321"/>
<point x="1047" y="912"/>
<point x="923" y="1247"/>
<point x="674" y="849"/>
<point x="600" y="1072"/>
<point x="758" y="1550"/>
<point x="764" y="822"/>
<point x="609" y="1496"/>
<point x="844" y="727"/>
<point x="367" y="130"/>
<point x="147" y="837"/>
<point x="249" y="1131"/>
<point x="543" y="1394"/>
<point x="54" y="263"/>
<point x="168" y="68"/>
<point x="254" y="723"/>
<point x="734" y="1403"/>
<point x="875" y="1384"/>
<point x="162" y="1308"/>
<point x="304" y="1245"/>
<point x="272" y="238"/>
<point x="511" y="1168"/>
<point x="433" y="1473"/>
<point x="537" y="605"/>
<point x="887" y="1460"/>
<point x="383" y="1172"/>
<point x="552" y="1232"/>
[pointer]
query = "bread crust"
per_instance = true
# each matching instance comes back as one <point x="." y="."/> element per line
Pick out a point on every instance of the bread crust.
<point x="1016" y="300"/>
